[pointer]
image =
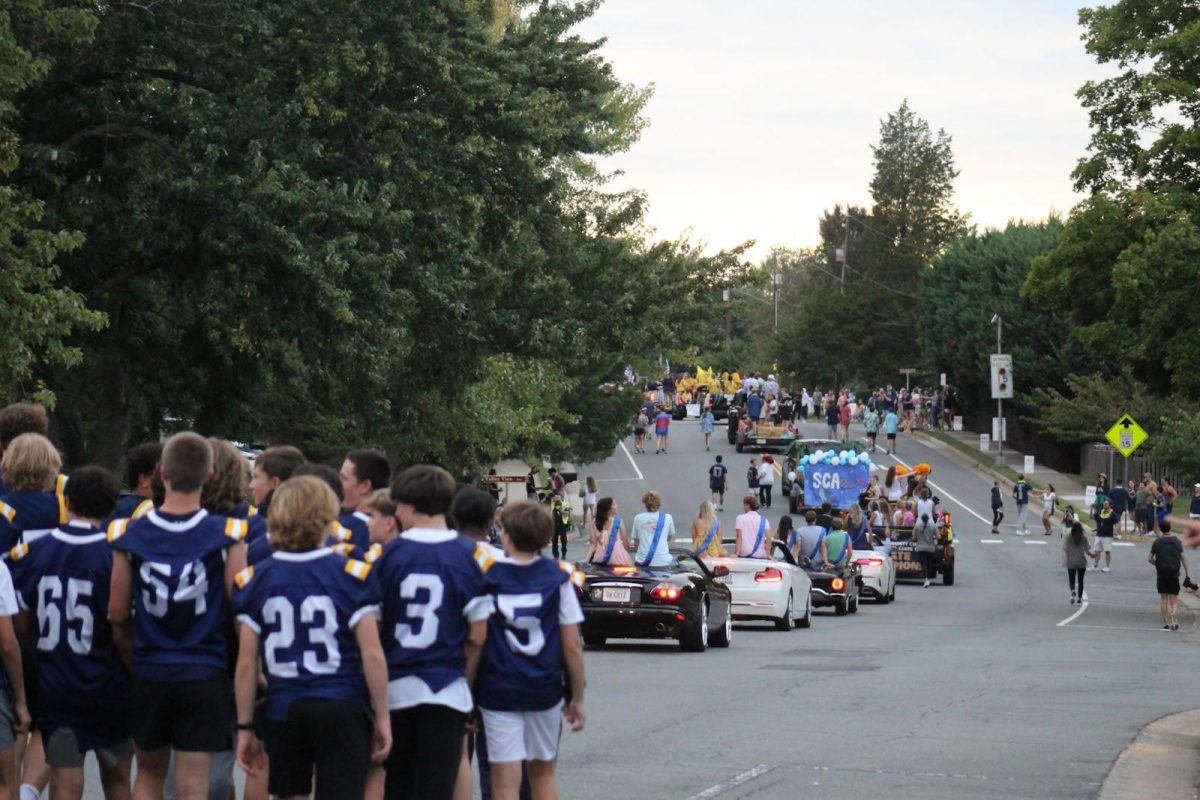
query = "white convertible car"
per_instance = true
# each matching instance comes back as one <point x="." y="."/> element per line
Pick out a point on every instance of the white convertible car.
<point x="878" y="574"/>
<point x="768" y="589"/>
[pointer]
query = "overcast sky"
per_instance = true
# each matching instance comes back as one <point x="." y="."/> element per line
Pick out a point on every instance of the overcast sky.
<point x="764" y="111"/>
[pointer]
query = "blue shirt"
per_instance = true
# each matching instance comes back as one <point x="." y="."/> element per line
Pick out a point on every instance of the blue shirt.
<point x="754" y="406"/>
<point x="892" y="423"/>
<point x="1021" y="492"/>
<point x="432" y="590"/>
<point x="304" y="608"/>
<point x="356" y="523"/>
<point x="28" y="514"/>
<point x="63" y="579"/>
<point x="644" y="525"/>
<point x="522" y="665"/>
<point x="180" y="606"/>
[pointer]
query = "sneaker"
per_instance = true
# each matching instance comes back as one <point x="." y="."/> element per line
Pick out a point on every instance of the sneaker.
<point x="1166" y="627"/>
<point x="927" y="583"/>
<point x="1104" y="569"/>
<point x="1072" y="598"/>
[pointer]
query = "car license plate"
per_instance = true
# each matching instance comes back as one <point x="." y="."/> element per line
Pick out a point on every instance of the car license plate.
<point x="615" y="594"/>
<point x="762" y="441"/>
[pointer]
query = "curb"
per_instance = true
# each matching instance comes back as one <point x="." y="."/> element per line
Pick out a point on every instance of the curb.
<point x="1163" y="760"/>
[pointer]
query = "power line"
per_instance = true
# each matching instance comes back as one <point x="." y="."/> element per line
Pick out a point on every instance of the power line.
<point x="890" y="238"/>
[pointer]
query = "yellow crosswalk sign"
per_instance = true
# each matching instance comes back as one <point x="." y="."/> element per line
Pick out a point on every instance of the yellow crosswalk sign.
<point x="1126" y="435"/>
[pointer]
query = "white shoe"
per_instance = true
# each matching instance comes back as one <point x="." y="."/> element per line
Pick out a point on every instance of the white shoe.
<point x="1104" y="569"/>
<point x="927" y="583"/>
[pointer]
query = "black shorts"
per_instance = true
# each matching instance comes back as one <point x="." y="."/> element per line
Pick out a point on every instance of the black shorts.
<point x="427" y="745"/>
<point x="716" y="487"/>
<point x="1168" y="582"/>
<point x="332" y="739"/>
<point x="193" y="716"/>
<point x="892" y="437"/>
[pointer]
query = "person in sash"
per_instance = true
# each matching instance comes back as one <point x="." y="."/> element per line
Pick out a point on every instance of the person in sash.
<point x="706" y="532"/>
<point x="808" y="545"/>
<point x="838" y="549"/>
<point x="652" y="533"/>
<point x="607" y="540"/>
<point x="753" y="531"/>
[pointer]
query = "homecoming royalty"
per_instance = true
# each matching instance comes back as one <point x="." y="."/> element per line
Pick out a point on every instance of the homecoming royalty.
<point x="335" y="634"/>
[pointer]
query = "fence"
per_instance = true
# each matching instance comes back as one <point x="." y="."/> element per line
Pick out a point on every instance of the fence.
<point x="1096" y="458"/>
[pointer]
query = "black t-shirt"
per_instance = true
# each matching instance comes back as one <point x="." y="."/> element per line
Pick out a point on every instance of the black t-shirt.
<point x="716" y="473"/>
<point x="1168" y="554"/>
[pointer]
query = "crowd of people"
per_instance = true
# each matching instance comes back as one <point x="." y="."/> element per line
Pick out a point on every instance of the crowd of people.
<point x="343" y="634"/>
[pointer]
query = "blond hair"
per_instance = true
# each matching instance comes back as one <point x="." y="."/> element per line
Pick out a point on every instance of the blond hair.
<point x="228" y="486"/>
<point x="652" y="500"/>
<point x="30" y="462"/>
<point x="380" y="501"/>
<point x="301" y="511"/>
<point x="706" y="512"/>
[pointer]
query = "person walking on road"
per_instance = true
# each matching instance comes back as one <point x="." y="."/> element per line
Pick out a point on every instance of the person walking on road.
<point x="662" y="423"/>
<point x="1166" y="554"/>
<point x="871" y="423"/>
<point x="891" y="424"/>
<point x="718" y="482"/>
<point x="652" y="533"/>
<point x="925" y="534"/>
<point x="1076" y="551"/>
<point x="1106" y="520"/>
<point x="997" y="507"/>
<point x="766" y="481"/>
<point x="1049" y="498"/>
<point x="607" y="541"/>
<point x="589" y="493"/>
<point x="706" y="532"/>
<point x="1020" y="493"/>
<point x="752" y="538"/>
<point x="707" y="425"/>
<point x="752" y="476"/>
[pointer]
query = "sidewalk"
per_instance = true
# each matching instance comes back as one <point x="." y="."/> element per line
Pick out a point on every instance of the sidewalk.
<point x="1162" y="761"/>
<point x="965" y="446"/>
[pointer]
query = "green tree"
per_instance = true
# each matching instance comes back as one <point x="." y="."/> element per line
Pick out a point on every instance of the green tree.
<point x="38" y="313"/>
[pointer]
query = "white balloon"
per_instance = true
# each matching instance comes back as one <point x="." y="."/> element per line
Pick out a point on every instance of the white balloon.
<point x="792" y="477"/>
<point x="819" y="455"/>
<point x="853" y="461"/>
<point x="836" y="462"/>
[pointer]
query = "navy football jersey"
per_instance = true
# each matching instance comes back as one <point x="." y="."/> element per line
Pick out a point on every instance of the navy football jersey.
<point x="130" y="506"/>
<point x="432" y="588"/>
<point x="304" y="607"/>
<point x="29" y="514"/>
<point x="63" y="580"/>
<point x="180" y="607"/>
<point x="522" y="666"/>
<point x="356" y="523"/>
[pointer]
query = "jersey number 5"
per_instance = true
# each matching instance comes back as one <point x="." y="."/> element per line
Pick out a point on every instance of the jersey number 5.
<point x="515" y="624"/>
<point x="192" y="587"/>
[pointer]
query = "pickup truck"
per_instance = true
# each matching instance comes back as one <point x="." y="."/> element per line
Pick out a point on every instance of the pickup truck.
<point x="763" y="436"/>
<point x="908" y="566"/>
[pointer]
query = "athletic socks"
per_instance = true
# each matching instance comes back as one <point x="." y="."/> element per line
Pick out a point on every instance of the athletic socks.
<point x="29" y="792"/>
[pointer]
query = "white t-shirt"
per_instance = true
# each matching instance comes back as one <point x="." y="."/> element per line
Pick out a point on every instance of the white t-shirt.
<point x="766" y="474"/>
<point x="1048" y="508"/>
<point x="925" y="507"/>
<point x="894" y="492"/>
<point x="8" y="596"/>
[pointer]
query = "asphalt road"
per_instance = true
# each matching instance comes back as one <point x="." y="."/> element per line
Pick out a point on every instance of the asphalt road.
<point x="982" y="689"/>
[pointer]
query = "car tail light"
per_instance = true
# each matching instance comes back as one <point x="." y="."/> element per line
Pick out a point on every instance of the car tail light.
<point x="768" y="575"/>
<point x="666" y="593"/>
<point x="838" y="584"/>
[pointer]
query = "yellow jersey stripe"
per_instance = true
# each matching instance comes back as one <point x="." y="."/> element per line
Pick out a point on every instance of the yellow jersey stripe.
<point x="18" y="552"/>
<point x="116" y="529"/>
<point x="243" y="577"/>
<point x="7" y="511"/>
<point x="358" y="569"/>
<point x="60" y="491"/>
<point x="236" y="529"/>
<point x="144" y="508"/>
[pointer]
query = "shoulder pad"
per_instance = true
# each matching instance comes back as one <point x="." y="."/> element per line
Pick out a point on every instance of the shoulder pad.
<point x="343" y="549"/>
<point x="340" y="532"/>
<point x="483" y="557"/>
<point x="143" y="508"/>
<point x="116" y="529"/>
<point x="236" y="529"/>
<point x="243" y="577"/>
<point x="18" y="552"/>
<point x="574" y="575"/>
<point x="359" y="569"/>
<point x="251" y="511"/>
<point x="373" y="553"/>
<point x="7" y="511"/>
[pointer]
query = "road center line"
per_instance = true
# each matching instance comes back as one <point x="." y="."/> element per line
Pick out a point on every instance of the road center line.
<point x="946" y="494"/>
<point x="1082" y="608"/>
<point x="632" y="463"/>
<point x="1036" y="541"/>
<point x="991" y="541"/>
<point x="732" y="783"/>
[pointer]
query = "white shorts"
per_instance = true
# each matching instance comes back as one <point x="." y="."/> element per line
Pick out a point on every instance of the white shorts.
<point x="523" y="735"/>
<point x="1103" y="544"/>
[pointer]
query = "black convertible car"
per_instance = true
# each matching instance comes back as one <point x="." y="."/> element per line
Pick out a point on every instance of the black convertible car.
<point x="683" y="601"/>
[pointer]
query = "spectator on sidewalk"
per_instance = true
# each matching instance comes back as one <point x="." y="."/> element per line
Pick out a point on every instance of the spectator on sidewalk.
<point x="1141" y="508"/>
<point x="1119" y="496"/>
<point x="1166" y="554"/>
<point x="1105" y="521"/>
<point x="1020" y="493"/>
<point x="997" y="507"/>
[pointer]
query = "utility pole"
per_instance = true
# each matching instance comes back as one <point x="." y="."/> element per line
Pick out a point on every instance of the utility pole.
<point x="776" y="279"/>
<point x="843" y="253"/>
<point x="999" y="401"/>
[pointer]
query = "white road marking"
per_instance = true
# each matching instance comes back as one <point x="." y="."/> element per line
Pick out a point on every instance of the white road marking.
<point x="1082" y="608"/>
<point x="641" y="477"/>
<point x="1123" y="544"/>
<point x="732" y="783"/>
<point x="991" y="541"/>
<point x="1117" y="628"/>
<point x="1035" y="541"/>
<point x="946" y="494"/>
<point x="617" y="480"/>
